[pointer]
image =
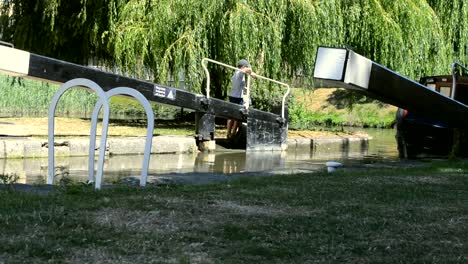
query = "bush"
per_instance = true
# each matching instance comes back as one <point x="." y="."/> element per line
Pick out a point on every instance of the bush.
<point x="362" y="115"/>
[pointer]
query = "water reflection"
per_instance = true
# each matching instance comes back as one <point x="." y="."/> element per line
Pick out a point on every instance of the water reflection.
<point x="34" y="171"/>
<point x="233" y="162"/>
<point x="383" y="146"/>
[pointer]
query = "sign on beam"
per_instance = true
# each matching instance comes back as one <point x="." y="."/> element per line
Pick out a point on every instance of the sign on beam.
<point x="164" y="92"/>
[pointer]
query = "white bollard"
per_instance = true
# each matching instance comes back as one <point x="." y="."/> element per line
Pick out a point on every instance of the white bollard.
<point x="332" y="166"/>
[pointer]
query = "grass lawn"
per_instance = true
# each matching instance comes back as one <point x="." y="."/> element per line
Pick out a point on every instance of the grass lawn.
<point x="407" y="214"/>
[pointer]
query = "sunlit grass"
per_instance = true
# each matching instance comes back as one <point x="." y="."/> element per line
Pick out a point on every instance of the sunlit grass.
<point x="413" y="213"/>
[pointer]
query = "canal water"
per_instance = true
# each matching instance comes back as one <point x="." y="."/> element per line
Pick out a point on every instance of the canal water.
<point x="382" y="147"/>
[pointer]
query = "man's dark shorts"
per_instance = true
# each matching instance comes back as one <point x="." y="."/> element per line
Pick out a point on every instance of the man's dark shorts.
<point x="236" y="100"/>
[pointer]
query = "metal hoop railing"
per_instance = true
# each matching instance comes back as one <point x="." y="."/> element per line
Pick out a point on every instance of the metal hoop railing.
<point x="283" y="102"/>
<point x="149" y="131"/>
<point x="103" y="102"/>
<point x="51" y="125"/>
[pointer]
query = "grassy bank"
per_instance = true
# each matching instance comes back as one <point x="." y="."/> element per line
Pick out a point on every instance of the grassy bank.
<point x="337" y="107"/>
<point x="20" y="97"/>
<point x="409" y="215"/>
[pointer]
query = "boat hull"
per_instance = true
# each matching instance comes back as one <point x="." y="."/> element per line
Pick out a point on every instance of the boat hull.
<point x="417" y="140"/>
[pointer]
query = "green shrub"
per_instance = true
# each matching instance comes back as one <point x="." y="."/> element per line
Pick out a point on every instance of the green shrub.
<point x="362" y="115"/>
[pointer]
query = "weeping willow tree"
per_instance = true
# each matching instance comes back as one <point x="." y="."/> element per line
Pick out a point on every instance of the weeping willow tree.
<point x="279" y="37"/>
<point x="69" y="30"/>
<point x="171" y="37"/>
<point x="453" y="16"/>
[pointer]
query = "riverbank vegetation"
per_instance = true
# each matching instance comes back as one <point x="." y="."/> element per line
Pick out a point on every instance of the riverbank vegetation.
<point x="29" y="98"/>
<point x="337" y="108"/>
<point x="368" y="214"/>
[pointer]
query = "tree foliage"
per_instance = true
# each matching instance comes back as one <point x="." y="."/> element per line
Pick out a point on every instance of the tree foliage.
<point x="278" y="37"/>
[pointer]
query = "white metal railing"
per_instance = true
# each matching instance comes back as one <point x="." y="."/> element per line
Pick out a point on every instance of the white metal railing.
<point x="454" y="83"/>
<point x="103" y="102"/>
<point x="51" y="125"/>
<point x="8" y="44"/>
<point x="283" y="102"/>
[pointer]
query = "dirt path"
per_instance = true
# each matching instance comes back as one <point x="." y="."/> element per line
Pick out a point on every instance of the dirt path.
<point x="38" y="127"/>
<point x="76" y="127"/>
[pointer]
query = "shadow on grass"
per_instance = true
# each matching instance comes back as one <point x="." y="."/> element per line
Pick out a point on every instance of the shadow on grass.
<point x="342" y="99"/>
